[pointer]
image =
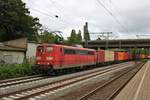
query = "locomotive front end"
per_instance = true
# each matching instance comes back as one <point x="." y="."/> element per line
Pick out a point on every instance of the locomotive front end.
<point x="44" y="59"/>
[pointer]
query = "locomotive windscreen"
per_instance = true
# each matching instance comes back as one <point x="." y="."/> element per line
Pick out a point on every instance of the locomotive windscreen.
<point x="49" y="49"/>
<point x="40" y="49"/>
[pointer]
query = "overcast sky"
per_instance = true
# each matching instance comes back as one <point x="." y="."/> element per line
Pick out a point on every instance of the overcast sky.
<point x="133" y="16"/>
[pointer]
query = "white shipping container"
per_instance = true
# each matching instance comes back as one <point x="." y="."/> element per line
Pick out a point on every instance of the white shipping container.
<point x="109" y="56"/>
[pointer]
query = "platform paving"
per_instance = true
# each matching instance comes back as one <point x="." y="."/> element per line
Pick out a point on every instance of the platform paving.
<point x="139" y="87"/>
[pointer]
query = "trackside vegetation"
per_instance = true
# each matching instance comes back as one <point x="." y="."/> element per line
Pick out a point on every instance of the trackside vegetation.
<point x="15" y="70"/>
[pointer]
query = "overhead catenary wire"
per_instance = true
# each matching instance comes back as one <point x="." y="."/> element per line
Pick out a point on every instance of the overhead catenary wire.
<point x="48" y="15"/>
<point x="54" y="4"/>
<point x="42" y="12"/>
<point x="116" y="9"/>
<point x="52" y="18"/>
<point x="59" y="9"/>
<point x="112" y="15"/>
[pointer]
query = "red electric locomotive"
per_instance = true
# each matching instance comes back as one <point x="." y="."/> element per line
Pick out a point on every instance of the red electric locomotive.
<point x="50" y="57"/>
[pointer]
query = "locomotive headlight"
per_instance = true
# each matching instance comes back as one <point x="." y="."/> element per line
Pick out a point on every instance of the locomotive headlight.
<point x="38" y="58"/>
<point x="38" y="63"/>
<point x="49" y="58"/>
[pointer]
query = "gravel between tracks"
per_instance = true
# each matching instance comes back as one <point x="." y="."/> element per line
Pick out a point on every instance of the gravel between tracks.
<point x="58" y="92"/>
<point x="102" y="94"/>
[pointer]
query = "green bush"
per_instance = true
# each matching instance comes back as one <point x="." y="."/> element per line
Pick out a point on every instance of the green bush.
<point x="15" y="70"/>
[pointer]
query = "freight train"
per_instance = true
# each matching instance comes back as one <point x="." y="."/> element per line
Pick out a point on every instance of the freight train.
<point x="52" y="57"/>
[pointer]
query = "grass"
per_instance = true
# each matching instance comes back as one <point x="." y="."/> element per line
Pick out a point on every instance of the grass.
<point x="15" y="70"/>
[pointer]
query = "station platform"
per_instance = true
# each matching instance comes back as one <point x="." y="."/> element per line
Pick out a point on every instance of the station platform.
<point x="139" y="86"/>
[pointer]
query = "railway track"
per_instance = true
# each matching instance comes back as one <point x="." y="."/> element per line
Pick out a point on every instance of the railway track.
<point x="41" y="91"/>
<point x="20" y="80"/>
<point x="15" y="81"/>
<point x="109" y="89"/>
<point x="85" y="88"/>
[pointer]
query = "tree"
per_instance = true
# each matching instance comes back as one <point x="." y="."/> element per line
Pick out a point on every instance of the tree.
<point x="72" y="39"/>
<point x="15" y="21"/>
<point x="79" y="37"/>
<point x="49" y="37"/>
<point x="46" y="37"/>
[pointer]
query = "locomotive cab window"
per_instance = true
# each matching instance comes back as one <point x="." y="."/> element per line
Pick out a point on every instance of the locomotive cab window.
<point x="69" y="51"/>
<point x="49" y="49"/>
<point x="40" y="49"/>
<point x="90" y="52"/>
<point x="82" y="52"/>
